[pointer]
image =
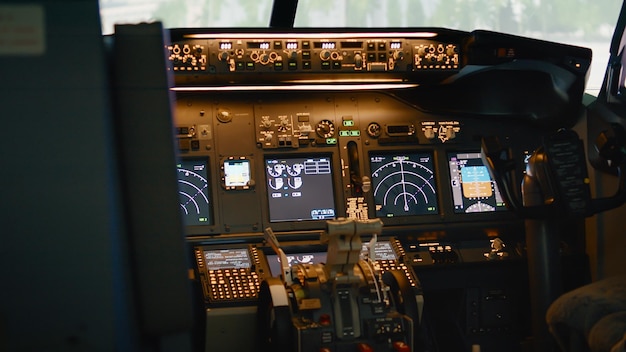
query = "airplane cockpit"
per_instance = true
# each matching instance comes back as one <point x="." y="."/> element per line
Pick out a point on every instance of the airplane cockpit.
<point x="320" y="189"/>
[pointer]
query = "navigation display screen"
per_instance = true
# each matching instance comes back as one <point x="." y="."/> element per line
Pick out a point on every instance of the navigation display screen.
<point x="193" y="191"/>
<point x="236" y="258"/>
<point x="300" y="188"/>
<point x="403" y="184"/>
<point x="473" y="190"/>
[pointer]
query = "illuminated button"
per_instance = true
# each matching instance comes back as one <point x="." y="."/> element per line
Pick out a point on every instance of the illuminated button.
<point x="371" y="57"/>
<point x="371" y="46"/>
<point x="240" y="66"/>
<point x="292" y="65"/>
<point x="250" y="65"/>
<point x="325" y="65"/>
<point x="306" y="65"/>
<point x="306" y="44"/>
<point x="324" y="320"/>
<point x="306" y="55"/>
<point x="363" y="347"/>
<point x="336" y="64"/>
<point x="278" y="66"/>
<point x="382" y="46"/>
<point x="400" y="346"/>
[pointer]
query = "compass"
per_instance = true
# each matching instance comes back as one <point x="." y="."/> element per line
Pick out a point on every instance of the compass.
<point x="404" y="184"/>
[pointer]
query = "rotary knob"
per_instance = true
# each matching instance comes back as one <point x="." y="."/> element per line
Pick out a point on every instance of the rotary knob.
<point x="325" y="129"/>
<point x="429" y="133"/>
<point x="398" y="55"/>
<point x="264" y="59"/>
<point x="223" y="56"/>
<point x="374" y="130"/>
<point x="358" y="61"/>
<point x="292" y="55"/>
<point x="450" y="134"/>
<point x="265" y="122"/>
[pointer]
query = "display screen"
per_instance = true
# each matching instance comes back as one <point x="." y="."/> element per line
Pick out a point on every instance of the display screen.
<point x="300" y="188"/>
<point x="383" y="250"/>
<point x="473" y="190"/>
<point x="259" y="45"/>
<point x="193" y="190"/>
<point x="403" y="184"/>
<point x="217" y="259"/>
<point x="236" y="173"/>
<point x="295" y="258"/>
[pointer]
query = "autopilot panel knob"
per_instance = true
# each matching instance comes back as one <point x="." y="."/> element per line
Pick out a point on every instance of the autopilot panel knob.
<point x="223" y="56"/>
<point x="358" y="61"/>
<point x="264" y="59"/>
<point x="398" y="55"/>
<point x="292" y="55"/>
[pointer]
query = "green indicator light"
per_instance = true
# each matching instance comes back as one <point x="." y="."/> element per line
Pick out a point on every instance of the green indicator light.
<point x="331" y="140"/>
<point x="348" y="123"/>
<point x="431" y="208"/>
<point x="344" y="133"/>
<point x="355" y="133"/>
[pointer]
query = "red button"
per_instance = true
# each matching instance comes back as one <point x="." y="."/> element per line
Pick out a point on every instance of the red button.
<point x="400" y="346"/>
<point x="363" y="347"/>
<point x="324" y="320"/>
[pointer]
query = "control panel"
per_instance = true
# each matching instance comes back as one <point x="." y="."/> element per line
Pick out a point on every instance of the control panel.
<point x="356" y="54"/>
<point x="342" y="53"/>
<point x="293" y="130"/>
<point x="230" y="275"/>
<point x="295" y="160"/>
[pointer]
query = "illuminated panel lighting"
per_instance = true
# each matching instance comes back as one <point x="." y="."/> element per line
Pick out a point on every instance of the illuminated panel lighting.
<point x="307" y="35"/>
<point x="298" y="87"/>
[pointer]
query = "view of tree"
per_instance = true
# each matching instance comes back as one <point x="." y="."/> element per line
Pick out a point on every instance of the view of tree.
<point x="586" y="23"/>
<point x="584" y="19"/>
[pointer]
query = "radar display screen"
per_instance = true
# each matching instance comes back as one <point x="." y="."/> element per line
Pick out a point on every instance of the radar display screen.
<point x="193" y="191"/>
<point x="300" y="188"/>
<point x="236" y="258"/>
<point x="404" y="184"/>
<point x="473" y="190"/>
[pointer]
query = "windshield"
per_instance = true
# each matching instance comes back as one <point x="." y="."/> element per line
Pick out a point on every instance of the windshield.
<point x="587" y="23"/>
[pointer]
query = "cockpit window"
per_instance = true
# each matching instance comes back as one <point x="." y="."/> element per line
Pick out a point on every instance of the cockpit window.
<point x="587" y="23"/>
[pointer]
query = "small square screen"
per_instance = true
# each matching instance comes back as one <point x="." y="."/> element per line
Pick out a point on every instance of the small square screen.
<point x="473" y="190"/>
<point x="193" y="192"/>
<point x="300" y="188"/>
<point x="403" y="184"/>
<point x="236" y="173"/>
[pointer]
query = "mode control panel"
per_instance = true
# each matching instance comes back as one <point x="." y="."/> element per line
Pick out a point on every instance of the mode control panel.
<point x="314" y="53"/>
